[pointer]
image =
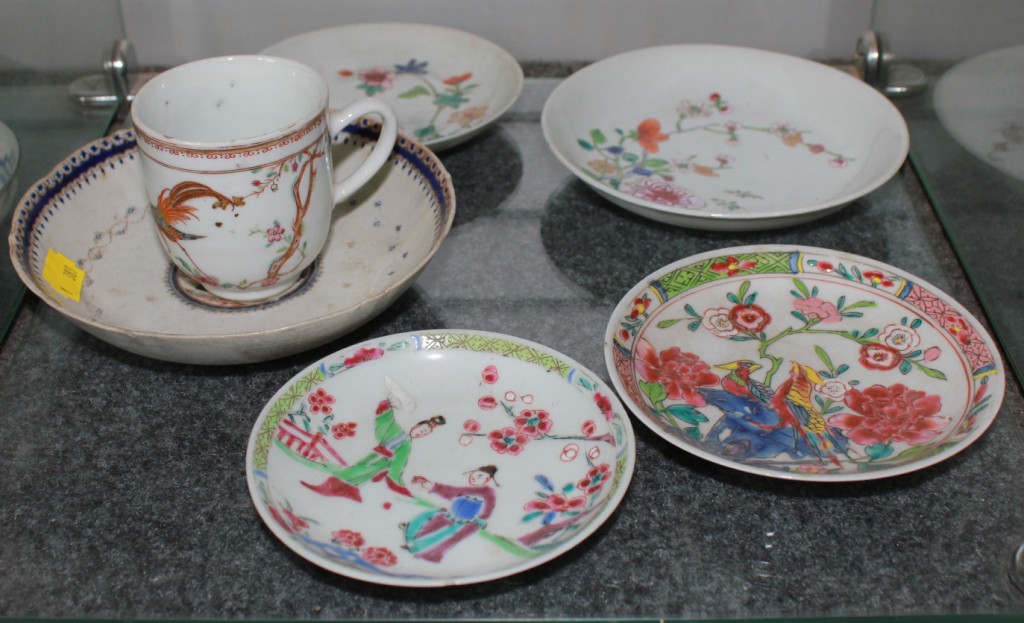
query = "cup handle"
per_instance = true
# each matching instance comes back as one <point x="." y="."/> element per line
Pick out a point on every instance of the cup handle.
<point x="339" y="118"/>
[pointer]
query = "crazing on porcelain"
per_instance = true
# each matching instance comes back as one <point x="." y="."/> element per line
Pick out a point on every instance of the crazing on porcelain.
<point x="799" y="363"/>
<point x="532" y="471"/>
<point x="631" y="160"/>
<point x="433" y="96"/>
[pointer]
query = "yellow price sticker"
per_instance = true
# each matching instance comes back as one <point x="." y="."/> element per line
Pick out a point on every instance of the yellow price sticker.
<point x="64" y="275"/>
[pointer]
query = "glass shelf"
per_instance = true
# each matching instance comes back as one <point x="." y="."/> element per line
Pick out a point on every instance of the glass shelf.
<point x="967" y="141"/>
<point x="35" y="102"/>
<point x="125" y="494"/>
<point x="123" y="482"/>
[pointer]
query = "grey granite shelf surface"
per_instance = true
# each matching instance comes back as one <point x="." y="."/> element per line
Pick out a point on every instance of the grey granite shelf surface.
<point x="123" y="486"/>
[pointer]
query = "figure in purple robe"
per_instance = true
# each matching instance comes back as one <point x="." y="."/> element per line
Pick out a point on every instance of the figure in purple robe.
<point x="431" y="534"/>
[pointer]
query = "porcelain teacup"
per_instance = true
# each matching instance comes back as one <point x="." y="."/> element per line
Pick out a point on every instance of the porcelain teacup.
<point x="237" y="167"/>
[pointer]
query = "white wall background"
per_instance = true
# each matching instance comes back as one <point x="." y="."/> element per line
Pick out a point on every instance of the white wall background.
<point x="77" y="34"/>
<point x="180" y="30"/>
<point x="950" y="29"/>
<point x="57" y="34"/>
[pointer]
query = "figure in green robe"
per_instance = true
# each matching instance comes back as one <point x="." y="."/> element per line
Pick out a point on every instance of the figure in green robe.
<point x="386" y="462"/>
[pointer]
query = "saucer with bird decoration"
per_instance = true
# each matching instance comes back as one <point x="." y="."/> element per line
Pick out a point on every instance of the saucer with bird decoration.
<point x="803" y="363"/>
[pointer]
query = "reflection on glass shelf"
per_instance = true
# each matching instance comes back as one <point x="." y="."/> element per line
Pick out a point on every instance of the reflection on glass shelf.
<point x="47" y="127"/>
<point x="980" y="102"/>
<point x="44" y="46"/>
<point x="9" y="152"/>
<point x="967" y="144"/>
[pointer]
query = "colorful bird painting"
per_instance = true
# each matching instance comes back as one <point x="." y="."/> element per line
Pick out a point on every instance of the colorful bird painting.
<point x="739" y="381"/>
<point x="172" y="208"/>
<point x="761" y="422"/>
<point x="793" y="398"/>
<point x="749" y="427"/>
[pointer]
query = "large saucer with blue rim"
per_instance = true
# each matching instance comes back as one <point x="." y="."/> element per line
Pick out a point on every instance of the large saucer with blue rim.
<point x="83" y="242"/>
<point x="439" y="458"/>
<point x="444" y="84"/>
<point x="803" y="364"/>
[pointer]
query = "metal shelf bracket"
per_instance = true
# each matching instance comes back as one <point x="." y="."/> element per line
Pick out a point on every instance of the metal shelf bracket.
<point x="874" y="59"/>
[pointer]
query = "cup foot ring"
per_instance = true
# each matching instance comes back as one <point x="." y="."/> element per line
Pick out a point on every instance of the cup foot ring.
<point x="193" y="293"/>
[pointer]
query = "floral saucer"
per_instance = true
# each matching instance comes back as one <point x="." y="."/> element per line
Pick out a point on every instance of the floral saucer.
<point x="803" y="363"/>
<point x="439" y="458"/>
<point x="724" y="138"/>
<point x="83" y="242"/>
<point x="980" y="102"/>
<point x="444" y="84"/>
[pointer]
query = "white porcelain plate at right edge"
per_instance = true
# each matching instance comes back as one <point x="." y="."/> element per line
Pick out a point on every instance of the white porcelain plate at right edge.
<point x="724" y="138"/>
<point x="980" y="102"/>
<point x="803" y="363"/>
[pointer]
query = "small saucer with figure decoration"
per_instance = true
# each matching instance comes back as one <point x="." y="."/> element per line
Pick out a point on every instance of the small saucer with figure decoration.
<point x="439" y="458"/>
